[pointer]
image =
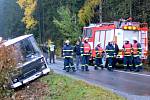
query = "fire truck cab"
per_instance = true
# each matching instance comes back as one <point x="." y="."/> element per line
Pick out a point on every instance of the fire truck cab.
<point x="117" y="31"/>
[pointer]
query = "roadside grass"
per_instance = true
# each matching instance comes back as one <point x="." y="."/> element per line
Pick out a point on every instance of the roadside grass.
<point x="147" y="67"/>
<point x="65" y="88"/>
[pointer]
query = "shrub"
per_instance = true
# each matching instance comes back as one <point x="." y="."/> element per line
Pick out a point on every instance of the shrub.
<point x="8" y="64"/>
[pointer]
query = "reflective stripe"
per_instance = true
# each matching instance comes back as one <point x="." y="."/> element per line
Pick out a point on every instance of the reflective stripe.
<point x="71" y="66"/>
<point x="109" y="50"/>
<point x="127" y="55"/>
<point x="139" y="65"/>
<point x="107" y="56"/>
<point x="86" y="47"/>
<point x="127" y="52"/>
<point x="98" y="57"/>
<point x="135" y="55"/>
<point x="130" y="65"/>
<point x="99" y="51"/>
<point x="135" y="48"/>
<point x="67" y="66"/>
<point x="127" y="48"/>
<point x="86" y="54"/>
<point x="68" y="57"/>
<point x="67" y="50"/>
<point x="136" y="66"/>
<point x="125" y="65"/>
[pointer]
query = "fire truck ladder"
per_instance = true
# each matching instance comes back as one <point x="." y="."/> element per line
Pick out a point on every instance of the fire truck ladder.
<point x="143" y="42"/>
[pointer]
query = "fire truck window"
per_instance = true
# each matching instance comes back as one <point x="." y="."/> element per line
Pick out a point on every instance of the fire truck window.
<point x="88" y="33"/>
<point x="85" y="33"/>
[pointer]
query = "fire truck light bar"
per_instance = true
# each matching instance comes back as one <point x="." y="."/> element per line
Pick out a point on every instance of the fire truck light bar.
<point x="130" y="28"/>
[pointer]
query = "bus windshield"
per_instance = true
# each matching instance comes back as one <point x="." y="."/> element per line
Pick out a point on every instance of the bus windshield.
<point x="26" y="50"/>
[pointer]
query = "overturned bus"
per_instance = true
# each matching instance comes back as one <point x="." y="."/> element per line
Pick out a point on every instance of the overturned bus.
<point x="30" y="61"/>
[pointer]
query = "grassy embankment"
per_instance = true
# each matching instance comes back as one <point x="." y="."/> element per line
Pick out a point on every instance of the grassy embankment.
<point x="65" y="88"/>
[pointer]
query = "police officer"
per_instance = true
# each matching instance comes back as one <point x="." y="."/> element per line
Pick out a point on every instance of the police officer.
<point x="85" y="54"/>
<point x="51" y="48"/>
<point x="78" y="54"/>
<point x="127" y="49"/>
<point x="99" y="54"/>
<point x="136" y="54"/>
<point x="68" y="56"/>
<point x="116" y="48"/>
<point x="110" y="55"/>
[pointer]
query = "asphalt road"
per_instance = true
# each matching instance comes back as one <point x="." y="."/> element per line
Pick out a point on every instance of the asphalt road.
<point x="133" y="86"/>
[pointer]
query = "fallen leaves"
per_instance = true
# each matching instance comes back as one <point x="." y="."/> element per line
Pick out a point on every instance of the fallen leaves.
<point x="34" y="91"/>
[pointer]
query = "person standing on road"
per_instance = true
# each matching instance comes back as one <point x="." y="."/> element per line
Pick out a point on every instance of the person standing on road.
<point x="116" y="48"/>
<point x="127" y="49"/>
<point x="85" y="53"/>
<point x="78" y="54"/>
<point x="45" y="51"/>
<point x="137" y="51"/>
<point x="51" y="47"/>
<point x="68" y="56"/>
<point x="99" y="54"/>
<point x="110" y="55"/>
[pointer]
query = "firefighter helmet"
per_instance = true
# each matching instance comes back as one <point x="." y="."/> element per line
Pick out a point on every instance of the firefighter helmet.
<point x="1" y="39"/>
<point x="99" y="43"/>
<point x="86" y="38"/>
<point x="67" y="41"/>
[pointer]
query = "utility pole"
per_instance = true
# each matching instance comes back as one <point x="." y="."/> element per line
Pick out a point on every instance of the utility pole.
<point x="39" y="18"/>
<point x="100" y="11"/>
<point x="130" y="8"/>
<point x="43" y="26"/>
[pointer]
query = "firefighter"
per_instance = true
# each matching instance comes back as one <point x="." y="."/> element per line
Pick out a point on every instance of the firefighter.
<point x="110" y="55"/>
<point x="127" y="49"/>
<point x="68" y="56"/>
<point x="85" y="54"/>
<point x="136" y="54"/>
<point x="78" y="54"/>
<point x="99" y="54"/>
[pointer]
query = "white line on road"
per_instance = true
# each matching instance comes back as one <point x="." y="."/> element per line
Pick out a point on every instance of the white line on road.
<point x="132" y="73"/>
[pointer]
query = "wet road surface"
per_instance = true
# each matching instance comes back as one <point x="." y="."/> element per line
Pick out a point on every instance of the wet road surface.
<point x="133" y="86"/>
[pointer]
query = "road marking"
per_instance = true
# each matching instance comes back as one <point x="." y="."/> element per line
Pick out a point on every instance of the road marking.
<point x="132" y="73"/>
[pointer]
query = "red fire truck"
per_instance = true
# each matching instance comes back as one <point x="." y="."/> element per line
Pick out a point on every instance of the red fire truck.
<point x="117" y="31"/>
